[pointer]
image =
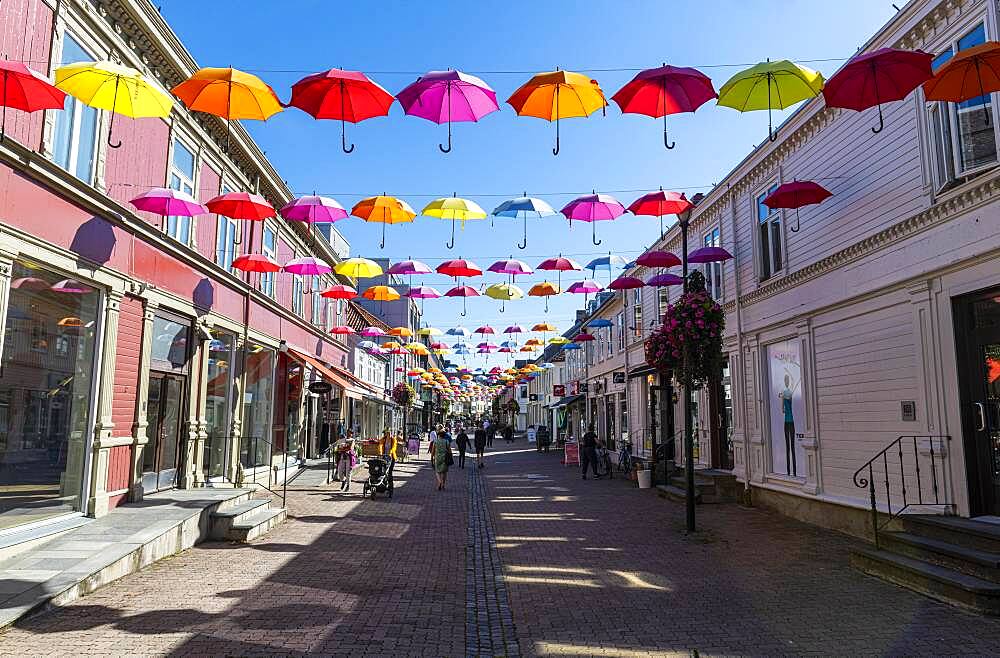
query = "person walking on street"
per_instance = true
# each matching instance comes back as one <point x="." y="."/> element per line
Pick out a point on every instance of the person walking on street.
<point x="588" y="451"/>
<point x="462" y="441"/>
<point x="488" y="431"/>
<point x="481" y="439"/>
<point x="441" y="458"/>
<point x="344" y="457"/>
<point x="508" y="433"/>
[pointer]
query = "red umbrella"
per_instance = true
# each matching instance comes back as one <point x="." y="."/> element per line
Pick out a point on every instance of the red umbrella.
<point x="241" y="205"/>
<point x="25" y="90"/>
<point x="255" y="263"/>
<point x="463" y="292"/>
<point x="660" y="203"/>
<point x="459" y="267"/>
<point x="658" y="259"/>
<point x="881" y="76"/>
<point x="339" y="292"/>
<point x="342" y="330"/>
<point x="344" y="95"/>
<point x="665" y="90"/>
<point x="626" y="283"/>
<point x="796" y="194"/>
<point x="559" y="264"/>
<point x="583" y="338"/>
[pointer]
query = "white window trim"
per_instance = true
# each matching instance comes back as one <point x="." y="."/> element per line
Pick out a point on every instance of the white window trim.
<point x="271" y="253"/>
<point x="221" y="222"/>
<point x="720" y="284"/>
<point x="175" y="137"/>
<point x="758" y="253"/>
<point x="93" y="48"/>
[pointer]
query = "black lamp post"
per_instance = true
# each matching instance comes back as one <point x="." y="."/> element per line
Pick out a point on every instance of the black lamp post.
<point x="684" y="218"/>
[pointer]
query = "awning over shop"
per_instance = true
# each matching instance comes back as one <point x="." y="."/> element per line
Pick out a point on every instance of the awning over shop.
<point x="562" y="402"/>
<point x="340" y="379"/>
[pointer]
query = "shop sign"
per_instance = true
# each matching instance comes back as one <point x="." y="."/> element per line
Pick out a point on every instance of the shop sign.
<point x="320" y="387"/>
<point x="559" y="390"/>
<point x="572" y="453"/>
<point x="618" y="378"/>
<point x="533" y="397"/>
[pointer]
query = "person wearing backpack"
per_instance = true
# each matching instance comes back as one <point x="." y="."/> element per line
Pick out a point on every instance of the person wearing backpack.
<point x="441" y="457"/>
<point x="462" y="441"/>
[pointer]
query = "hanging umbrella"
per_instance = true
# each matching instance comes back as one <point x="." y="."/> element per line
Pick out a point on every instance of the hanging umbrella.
<point x="459" y="267"/>
<point x="593" y="208"/>
<point x="511" y="267"/>
<point x="544" y="289"/>
<point x="339" y="292"/>
<point x="441" y="96"/>
<point x="665" y="90"/>
<point x="543" y="327"/>
<point x="255" y="263"/>
<point x="409" y="268"/>
<point x="770" y="86"/>
<point x="572" y="346"/>
<point x="26" y="90"/>
<point x="402" y="332"/>
<point x="586" y="287"/>
<point x="661" y="280"/>
<point x="383" y="210"/>
<point x="609" y="263"/>
<point x="372" y="332"/>
<point x="881" y="76"/>
<point x="522" y="208"/>
<point x="555" y="95"/>
<point x="358" y="268"/>
<point x="600" y="323"/>
<point x="660" y="203"/>
<point x="626" y="283"/>
<point x="463" y="292"/>
<point x="458" y="331"/>
<point x="559" y="264"/>
<point x="485" y="329"/>
<point x="228" y="93"/>
<point x="71" y="287"/>
<point x="583" y="338"/>
<point x="796" y="194"/>
<point x="559" y="340"/>
<point x="381" y="294"/>
<point x="342" y="330"/>
<point x="341" y="96"/>
<point x="970" y="74"/>
<point x="307" y="266"/>
<point x="504" y="292"/>
<point x="455" y="209"/>
<point x="709" y="255"/>
<point x="422" y="293"/>
<point x="514" y="329"/>
<point x="313" y="209"/>
<point x="429" y="331"/>
<point x="658" y="259"/>
<point x="116" y="88"/>
<point x="164" y="201"/>
<point x="241" y="205"/>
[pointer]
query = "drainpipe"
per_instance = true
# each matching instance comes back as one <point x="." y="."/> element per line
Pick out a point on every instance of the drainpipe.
<point x="628" y="408"/>
<point x="739" y="347"/>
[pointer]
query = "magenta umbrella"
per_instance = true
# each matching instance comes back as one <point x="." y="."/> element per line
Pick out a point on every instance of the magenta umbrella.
<point x="164" y="201"/>
<point x="514" y="329"/>
<point x="372" y="332"/>
<point x="306" y="266"/>
<point x="463" y="292"/>
<point x="709" y="255"/>
<point x="661" y="280"/>
<point x="409" y="268"/>
<point x="313" y="209"/>
<point x="72" y="287"/>
<point x="421" y="293"/>
<point x="511" y="267"/>
<point x="626" y="283"/>
<point x="441" y="96"/>
<point x="593" y="208"/>
<point x="586" y="287"/>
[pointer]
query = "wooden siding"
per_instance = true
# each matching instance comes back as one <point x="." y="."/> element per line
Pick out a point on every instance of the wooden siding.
<point x="25" y="29"/>
<point x="119" y="473"/>
<point x="126" y="372"/>
<point x="140" y="163"/>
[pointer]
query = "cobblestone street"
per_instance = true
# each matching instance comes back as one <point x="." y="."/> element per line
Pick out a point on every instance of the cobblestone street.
<point x="588" y="568"/>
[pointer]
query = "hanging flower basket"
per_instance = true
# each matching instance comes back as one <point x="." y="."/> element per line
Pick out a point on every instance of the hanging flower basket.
<point x="403" y="394"/>
<point x="694" y="322"/>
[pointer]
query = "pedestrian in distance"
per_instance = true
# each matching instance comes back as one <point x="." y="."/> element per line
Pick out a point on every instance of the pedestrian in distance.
<point x="462" y="442"/>
<point x="344" y="458"/>
<point x="489" y="430"/>
<point x="588" y="451"/>
<point x="508" y="433"/>
<point x="441" y="457"/>
<point x="480" y="439"/>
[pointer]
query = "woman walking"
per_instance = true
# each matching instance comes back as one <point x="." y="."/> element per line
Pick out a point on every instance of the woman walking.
<point x="462" y="441"/>
<point x="441" y="457"/>
<point x="343" y="451"/>
<point x="480" y="438"/>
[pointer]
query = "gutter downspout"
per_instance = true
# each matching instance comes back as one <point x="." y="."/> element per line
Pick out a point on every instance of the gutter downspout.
<point x="628" y="346"/>
<point x="739" y="346"/>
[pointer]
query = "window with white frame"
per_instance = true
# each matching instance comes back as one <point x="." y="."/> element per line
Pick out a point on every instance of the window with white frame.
<point x="768" y="236"/>
<point x="662" y="302"/>
<point x="227" y="237"/>
<point x="621" y="330"/>
<point x="713" y="271"/>
<point x="317" y="304"/>
<point x="963" y="134"/>
<point x="637" y="312"/>
<point x="181" y="178"/>
<point x="74" y="144"/>
<point x="297" y="295"/>
<point x="269" y="247"/>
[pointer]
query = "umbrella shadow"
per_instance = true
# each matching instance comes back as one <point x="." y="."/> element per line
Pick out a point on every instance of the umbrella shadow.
<point x="94" y="242"/>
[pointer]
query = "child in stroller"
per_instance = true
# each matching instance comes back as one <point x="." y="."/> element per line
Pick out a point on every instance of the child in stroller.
<point x="379" y="476"/>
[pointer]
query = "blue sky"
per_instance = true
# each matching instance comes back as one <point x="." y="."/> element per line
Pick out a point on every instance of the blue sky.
<point x="504" y="155"/>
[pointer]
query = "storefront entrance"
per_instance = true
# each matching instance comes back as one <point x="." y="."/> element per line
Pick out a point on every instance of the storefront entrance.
<point x="978" y="336"/>
<point x="164" y="414"/>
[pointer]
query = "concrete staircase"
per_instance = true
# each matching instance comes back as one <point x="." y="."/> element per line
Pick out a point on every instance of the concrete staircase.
<point x="710" y="486"/>
<point x="950" y="559"/>
<point x="245" y="521"/>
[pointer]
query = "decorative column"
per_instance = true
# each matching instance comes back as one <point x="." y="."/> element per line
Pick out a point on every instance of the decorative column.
<point x="809" y="436"/>
<point x="758" y="452"/>
<point x="199" y="395"/>
<point x="234" y="466"/>
<point x="139" y="438"/>
<point x="6" y="268"/>
<point x="97" y="503"/>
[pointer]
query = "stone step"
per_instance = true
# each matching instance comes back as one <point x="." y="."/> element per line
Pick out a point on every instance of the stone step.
<point x="969" y="533"/>
<point x="256" y="525"/>
<point x="224" y="518"/>
<point x="932" y="580"/>
<point x="972" y="561"/>
<point x="676" y="493"/>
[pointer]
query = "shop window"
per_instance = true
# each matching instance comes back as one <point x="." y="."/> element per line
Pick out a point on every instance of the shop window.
<point x="75" y="137"/>
<point x="768" y="236"/>
<point x="713" y="271"/>
<point x="268" y="246"/>
<point x="317" y="305"/>
<point x="662" y="302"/>
<point x="219" y="402"/>
<point x="786" y="406"/>
<point x="169" y="351"/>
<point x="963" y="134"/>
<point x="46" y="388"/>
<point x="258" y="401"/>
<point x="181" y="178"/>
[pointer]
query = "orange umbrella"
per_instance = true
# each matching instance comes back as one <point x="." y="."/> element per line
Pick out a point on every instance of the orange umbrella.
<point x="555" y="95"/>
<point x="228" y="93"/>
<point x="544" y="289"/>
<point x="381" y="294"/>
<point x="384" y="210"/>
<point x="971" y="73"/>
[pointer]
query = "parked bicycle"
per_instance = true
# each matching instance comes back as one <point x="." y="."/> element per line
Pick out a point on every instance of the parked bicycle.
<point x="625" y="457"/>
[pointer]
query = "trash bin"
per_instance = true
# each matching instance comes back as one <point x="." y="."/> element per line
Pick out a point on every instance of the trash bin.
<point x="644" y="478"/>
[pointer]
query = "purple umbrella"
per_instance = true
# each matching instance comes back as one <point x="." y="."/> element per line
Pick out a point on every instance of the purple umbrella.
<point x="409" y="267"/>
<point x="441" y="96"/>
<point x="593" y="208"/>
<point x="421" y="292"/>
<point x="72" y="287"/>
<point x="511" y="267"/>
<point x="661" y="280"/>
<point x="709" y="255"/>
<point x="307" y="266"/>
<point x="514" y="329"/>
<point x="164" y="201"/>
<point x="585" y="287"/>
<point x="313" y="209"/>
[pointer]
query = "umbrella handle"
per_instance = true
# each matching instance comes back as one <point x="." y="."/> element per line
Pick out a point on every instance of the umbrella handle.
<point x="525" y="244"/>
<point x="502" y="305"/>
<point x="555" y="151"/>
<point x="381" y="245"/>
<point x="797" y="226"/>
<point x="669" y="145"/>
<point x="463" y="313"/>
<point x="451" y="245"/>
<point x="111" y="123"/>
<point x="441" y="146"/>
<point x="343" y="138"/>
<point x="771" y="134"/>
<point x="546" y="304"/>
<point x="593" y="226"/>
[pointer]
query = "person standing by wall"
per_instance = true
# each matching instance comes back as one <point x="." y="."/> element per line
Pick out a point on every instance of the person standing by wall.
<point x="462" y="441"/>
<point x="588" y="451"/>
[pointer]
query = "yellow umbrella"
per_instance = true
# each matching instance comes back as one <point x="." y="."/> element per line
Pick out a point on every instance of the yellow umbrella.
<point x="555" y="95"/>
<point x="559" y="340"/>
<point x="383" y="210"/>
<point x="429" y="331"/>
<point x="454" y="208"/>
<point x="119" y="89"/>
<point x="770" y="85"/>
<point x="543" y="327"/>
<point x="358" y="268"/>
<point x="504" y="292"/>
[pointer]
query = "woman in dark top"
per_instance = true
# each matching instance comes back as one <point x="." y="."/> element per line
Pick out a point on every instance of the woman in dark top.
<point x="480" y="442"/>
<point x="462" y="441"/>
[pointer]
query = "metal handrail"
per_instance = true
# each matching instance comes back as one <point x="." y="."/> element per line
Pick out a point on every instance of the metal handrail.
<point x="903" y="499"/>
<point x="270" y="469"/>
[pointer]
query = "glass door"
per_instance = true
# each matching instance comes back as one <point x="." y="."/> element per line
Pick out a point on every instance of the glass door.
<point x="164" y="413"/>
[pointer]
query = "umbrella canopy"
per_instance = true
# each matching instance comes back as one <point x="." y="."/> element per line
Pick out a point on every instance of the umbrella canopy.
<point x="228" y="93"/>
<point x="307" y="266"/>
<point x="26" y="90"/>
<point x="658" y="259"/>
<point x="463" y="292"/>
<point x="555" y="95"/>
<point x="572" y="346"/>
<point x="969" y="74"/>
<point x="796" y="194"/>
<point x="383" y="210"/>
<point x="241" y="205"/>
<point x="593" y="208"/>
<point x="116" y="88"/>
<point x="559" y="264"/>
<point x="403" y="332"/>
<point x="600" y="323"/>
<point x="524" y="207"/>
<point x="339" y="292"/>
<point x="504" y="292"/>
<point x="459" y="267"/>
<point x="358" y="268"/>
<point x="455" y="209"/>
<point x="626" y="283"/>
<point x="709" y="255"/>
<point x="881" y="76"/>
<point x="164" y="201"/>
<point x="660" y="203"/>
<point x="585" y="287"/>
<point x="381" y="294"/>
<point x="341" y="95"/>
<point x="559" y="340"/>
<point x="514" y="329"/>
<point x="485" y="329"/>
<point x="429" y="331"/>
<point x="447" y="96"/>
<point x="511" y="267"/>
<point x="372" y="332"/>
<point x="583" y="338"/>
<point x="422" y="292"/>
<point x="313" y="209"/>
<point x="409" y="267"/>
<point x="608" y="263"/>
<point x="342" y="330"/>
<point x="543" y="327"/>
<point x="665" y="90"/>
<point x="544" y="289"/>
<point x="458" y="331"/>
<point x="255" y="263"/>
<point x="770" y="86"/>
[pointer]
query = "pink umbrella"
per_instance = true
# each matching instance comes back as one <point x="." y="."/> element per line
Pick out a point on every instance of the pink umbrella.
<point x="409" y="267"/>
<point x="313" y="209"/>
<point x="441" y="96"/>
<point x="307" y="266"/>
<point x="463" y="292"/>
<point x="342" y="330"/>
<point x="658" y="259"/>
<point x="72" y="287"/>
<point x="593" y="208"/>
<point x="661" y="280"/>
<point x="511" y="267"/>
<point x="372" y="332"/>
<point x="422" y="293"/>
<point x="559" y="264"/>
<point x="164" y="201"/>
<point x="30" y="284"/>
<point x="585" y="287"/>
<point x="626" y="283"/>
<point x="709" y="255"/>
<point x="485" y="329"/>
<point x="514" y="329"/>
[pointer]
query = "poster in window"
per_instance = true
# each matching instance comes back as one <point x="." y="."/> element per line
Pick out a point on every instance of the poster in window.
<point x="787" y="408"/>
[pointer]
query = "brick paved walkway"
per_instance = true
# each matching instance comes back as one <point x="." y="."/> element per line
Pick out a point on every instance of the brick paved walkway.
<point x="590" y="568"/>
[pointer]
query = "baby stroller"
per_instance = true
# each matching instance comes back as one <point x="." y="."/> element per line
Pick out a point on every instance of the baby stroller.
<point x="379" y="477"/>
